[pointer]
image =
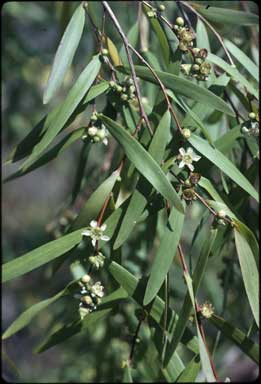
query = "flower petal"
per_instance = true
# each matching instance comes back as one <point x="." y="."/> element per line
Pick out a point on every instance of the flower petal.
<point x="93" y="224"/>
<point x="105" y="141"/>
<point x="190" y="151"/>
<point x="86" y="232"/>
<point x="191" y="167"/>
<point x="103" y="227"/>
<point x="105" y="238"/>
<point x="181" y="164"/>
<point x="182" y="151"/>
<point x="94" y="242"/>
<point x="196" y="157"/>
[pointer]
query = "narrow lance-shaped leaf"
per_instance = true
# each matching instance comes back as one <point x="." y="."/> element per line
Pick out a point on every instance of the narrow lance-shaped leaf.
<point x="204" y="357"/>
<point x="233" y="72"/>
<point x="183" y="87"/>
<point x="222" y="162"/>
<point x="228" y="16"/>
<point x="27" y="316"/>
<point x="68" y="330"/>
<point x="49" y="155"/>
<point x="65" y="53"/>
<point x="67" y="108"/>
<point x="187" y="304"/>
<point x="164" y="255"/>
<point x="94" y="204"/>
<point x="243" y="59"/>
<point x="40" y="256"/>
<point x="190" y="373"/>
<point x="237" y="336"/>
<point x="143" y="161"/>
<point x="135" y="288"/>
<point x="249" y="272"/>
<point x="24" y="148"/>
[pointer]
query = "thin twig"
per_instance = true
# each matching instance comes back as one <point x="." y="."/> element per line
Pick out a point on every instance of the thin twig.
<point x="134" y="341"/>
<point x="133" y="73"/>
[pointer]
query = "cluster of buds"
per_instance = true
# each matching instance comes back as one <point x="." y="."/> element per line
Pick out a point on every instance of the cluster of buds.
<point x="124" y="90"/>
<point x="184" y="34"/>
<point x="219" y="219"/>
<point x="251" y="126"/>
<point x="200" y="68"/>
<point x="96" y="131"/>
<point x="152" y="13"/>
<point x="90" y="295"/>
<point x="57" y="227"/>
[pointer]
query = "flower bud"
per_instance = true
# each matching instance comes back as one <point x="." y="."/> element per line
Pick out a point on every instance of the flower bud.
<point x="162" y="7"/>
<point x="150" y="14"/>
<point x="195" y="67"/>
<point x="180" y="21"/>
<point x="92" y="131"/>
<point x="252" y="115"/>
<point x="186" y="133"/>
<point x="221" y="214"/>
<point x="124" y="97"/>
<point x="105" y="52"/>
<point x="86" y="279"/>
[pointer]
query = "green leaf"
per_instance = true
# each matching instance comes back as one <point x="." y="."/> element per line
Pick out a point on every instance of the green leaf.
<point x="161" y="37"/>
<point x="187" y="304"/>
<point x="143" y="161"/>
<point x="243" y="59"/>
<point x="127" y="378"/>
<point x="61" y="115"/>
<point x="189" y="374"/>
<point x="68" y="330"/>
<point x="233" y="72"/>
<point x="132" y="37"/>
<point x="223" y="163"/>
<point x="92" y="207"/>
<point x="50" y="155"/>
<point x="164" y="256"/>
<point x="204" y="357"/>
<point x="27" y="316"/>
<point x="249" y="273"/>
<point x="228" y="16"/>
<point x="40" y="256"/>
<point x="183" y="87"/>
<point x="233" y="333"/>
<point x="135" y="289"/>
<point x="71" y="329"/>
<point x="65" y="53"/>
<point x="79" y="175"/>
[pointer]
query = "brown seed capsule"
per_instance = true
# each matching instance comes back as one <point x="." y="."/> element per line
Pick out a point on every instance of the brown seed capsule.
<point x="194" y="178"/>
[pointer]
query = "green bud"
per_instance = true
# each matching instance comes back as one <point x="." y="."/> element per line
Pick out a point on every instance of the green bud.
<point x="221" y="214"/>
<point x="195" y="67"/>
<point x="96" y="139"/>
<point x="105" y="52"/>
<point x="180" y="21"/>
<point x="92" y="131"/>
<point x="198" y="61"/>
<point x="101" y="134"/>
<point x="186" y="133"/>
<point x="124" y="97"/>
<point x="118" y="88"/>
<point x="252" y="116"/>
<point x="162" y="7"/>
<point x="150" y="14"/>
<point x="112" y="84"/>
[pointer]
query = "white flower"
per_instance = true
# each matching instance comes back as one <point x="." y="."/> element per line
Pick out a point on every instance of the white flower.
<point x="96" y="232"/>
<point x="97" y="289"/>
<point x="187" y="158"/>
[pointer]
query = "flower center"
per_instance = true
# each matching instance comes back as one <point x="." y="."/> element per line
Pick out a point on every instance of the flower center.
<point x="187" y="159"/>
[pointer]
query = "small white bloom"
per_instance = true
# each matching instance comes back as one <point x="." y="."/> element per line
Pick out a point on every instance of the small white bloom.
<point x="96" y="232"/>
<point x="97" y="289"/>
<point x="187" y="158"/>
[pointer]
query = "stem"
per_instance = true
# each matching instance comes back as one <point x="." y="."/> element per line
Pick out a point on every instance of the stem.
<point x="133" y="73"/>
<point x="134" y="341"/>
<point x="185" y="4"/>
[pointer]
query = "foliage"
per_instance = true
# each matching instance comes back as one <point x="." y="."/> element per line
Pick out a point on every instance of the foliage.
<point x="177" y="136"/>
